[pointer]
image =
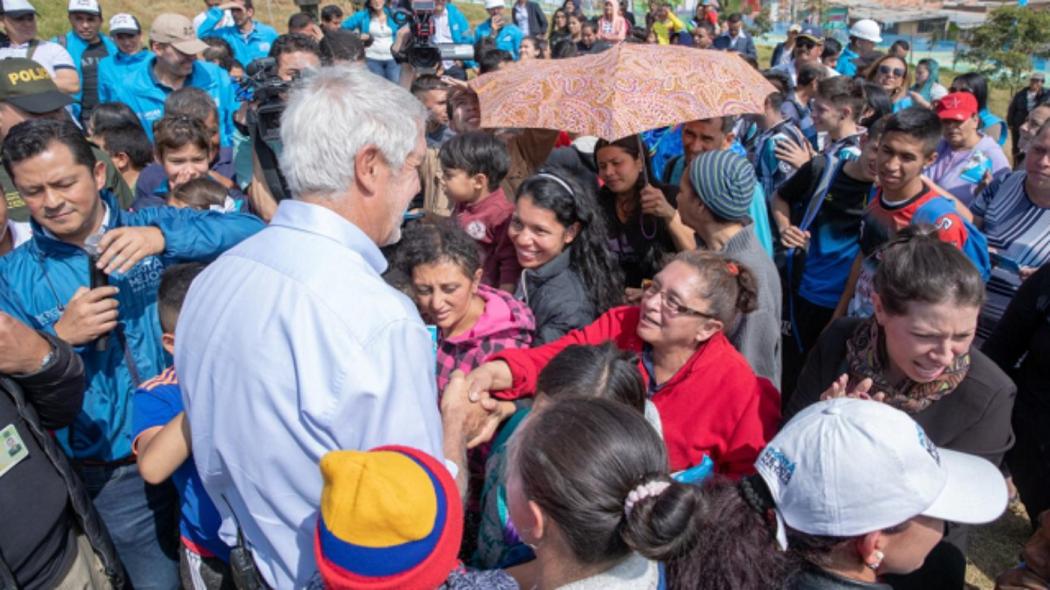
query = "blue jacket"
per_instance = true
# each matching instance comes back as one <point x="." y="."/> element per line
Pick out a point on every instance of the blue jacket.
<point x="508" y="39"/>
<point x="458" y="24"/>
<point x="141" y="91"/>
<point x="744" y="44"/>
<point x="845" y="65"/>
<point x="76" y="47"/>
<point x="361" y="21"/>
<point x="114" y="70"/>
<point x="39" y="278"/>
<point x="246" y="49"/>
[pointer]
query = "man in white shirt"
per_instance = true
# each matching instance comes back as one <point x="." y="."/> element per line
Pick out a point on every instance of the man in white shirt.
<point x="19" y="19"/>
<point x="292" y="345"/>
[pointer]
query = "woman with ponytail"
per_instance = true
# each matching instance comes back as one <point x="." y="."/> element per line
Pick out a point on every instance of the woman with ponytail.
<point x="848" y="492"/>
<point x="710" y="402"/>
<point x="569" y="276"/>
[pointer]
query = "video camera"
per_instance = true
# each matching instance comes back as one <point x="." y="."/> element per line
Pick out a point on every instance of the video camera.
<point x="267" y="91"/>
<point x="420" y="50"/>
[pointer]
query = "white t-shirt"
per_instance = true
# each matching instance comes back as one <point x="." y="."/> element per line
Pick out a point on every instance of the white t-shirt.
<point x="20" y="232"/>
<point x="443" y="34"/>
<point x="50" y="55"/>
<point x="382" y="40"/>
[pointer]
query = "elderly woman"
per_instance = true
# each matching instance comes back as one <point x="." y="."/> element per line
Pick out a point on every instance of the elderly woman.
<point x="915" y="354"/>
<point x="709" y="400"/>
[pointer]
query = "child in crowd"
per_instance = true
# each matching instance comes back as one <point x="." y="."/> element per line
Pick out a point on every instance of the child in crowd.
<point x="129" y="148"/>
<point x="331" y="17"/>
<point x="203" y="194"/>
<point x="665" y="24"/>
<point x="837" y="107"/>
<point x="771" y="170"/>
<point x="162" y="446"/>
<point x="473" y="166"/>
<point x="433" y="93"/>
<point x="908" y="145"/>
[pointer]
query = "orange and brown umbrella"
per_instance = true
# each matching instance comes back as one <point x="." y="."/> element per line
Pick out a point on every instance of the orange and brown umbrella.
<point x="622" y="91"/>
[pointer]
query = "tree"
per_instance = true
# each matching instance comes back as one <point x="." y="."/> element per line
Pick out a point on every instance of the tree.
<point x="761" y="24"/>
<point x="1003" y="47"/>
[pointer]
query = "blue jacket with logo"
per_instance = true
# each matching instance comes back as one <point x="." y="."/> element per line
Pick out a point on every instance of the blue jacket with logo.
<point x="114" y="69"/>
<point x="246" y="48"/>
<point x="458" y="24"/>
<point x="39" y="278"/>
<point x="140" y="90"/>
<point x="508" y="39"/>
<point x="76" y="47"/>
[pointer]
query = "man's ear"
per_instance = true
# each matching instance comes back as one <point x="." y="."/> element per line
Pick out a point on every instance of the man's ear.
<point x="100" y="175"/>
<point x="121" y="160"/>
<point x="367" y="164"/>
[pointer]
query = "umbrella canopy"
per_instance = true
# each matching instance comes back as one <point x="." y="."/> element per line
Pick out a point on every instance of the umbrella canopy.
<point x="622" y="91"/>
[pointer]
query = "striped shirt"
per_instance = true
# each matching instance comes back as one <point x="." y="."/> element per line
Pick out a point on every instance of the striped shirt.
<point x="1018" y="230"/>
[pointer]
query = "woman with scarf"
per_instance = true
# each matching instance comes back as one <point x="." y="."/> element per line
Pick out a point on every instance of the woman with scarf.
<point x="927" y="89"/>
<point x="612" y="26"/>
<point x="915" y="354"/>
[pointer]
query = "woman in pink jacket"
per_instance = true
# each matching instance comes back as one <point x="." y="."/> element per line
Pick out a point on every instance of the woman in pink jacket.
<point x="612" y="26"/>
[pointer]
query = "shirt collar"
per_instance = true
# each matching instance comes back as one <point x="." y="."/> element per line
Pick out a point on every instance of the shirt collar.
<point x="321" y="221"/>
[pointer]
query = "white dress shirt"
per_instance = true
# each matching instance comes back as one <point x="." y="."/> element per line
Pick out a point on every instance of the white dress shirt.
<point x="289" y="346"/>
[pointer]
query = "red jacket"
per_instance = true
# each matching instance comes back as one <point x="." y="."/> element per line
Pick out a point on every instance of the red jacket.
<point x="713" y="405"/>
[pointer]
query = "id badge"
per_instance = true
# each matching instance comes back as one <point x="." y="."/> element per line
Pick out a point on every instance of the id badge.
<point x="12" y="449"/>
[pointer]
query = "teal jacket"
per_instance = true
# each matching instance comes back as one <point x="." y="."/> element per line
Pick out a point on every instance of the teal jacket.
<point x="508" y="39"/>
<point x="114" y="69"/>
<point x="361" y="21"/>
<point x="40" y="277"/>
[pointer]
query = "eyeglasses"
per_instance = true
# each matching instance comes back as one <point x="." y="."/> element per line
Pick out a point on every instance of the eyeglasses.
<point x="888" y="71"/>
<point x="672" y="308"/>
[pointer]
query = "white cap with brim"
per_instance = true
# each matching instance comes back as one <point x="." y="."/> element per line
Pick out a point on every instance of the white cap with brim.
<point x="493" y="4"/>
<point x="85" y="6"/>
<point x="16" y="8"/>
<point x="848" y="467"/>
<point x="124" y="23"/>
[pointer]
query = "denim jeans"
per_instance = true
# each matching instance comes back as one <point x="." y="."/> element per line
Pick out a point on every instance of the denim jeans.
<point x="142" y="520"/>
<point x="386" y="68"/>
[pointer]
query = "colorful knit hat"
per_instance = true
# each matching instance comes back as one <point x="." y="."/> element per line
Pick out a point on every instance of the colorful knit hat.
<point x="391" y="518"/>
<point x="725" y="182"/>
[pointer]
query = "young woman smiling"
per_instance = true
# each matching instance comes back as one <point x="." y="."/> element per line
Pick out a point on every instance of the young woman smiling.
<point x="569" y="276"/>
<point x="473" y="320"/>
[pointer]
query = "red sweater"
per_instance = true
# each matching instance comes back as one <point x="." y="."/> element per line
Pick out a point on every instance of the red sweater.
<point x="713" y="405"/>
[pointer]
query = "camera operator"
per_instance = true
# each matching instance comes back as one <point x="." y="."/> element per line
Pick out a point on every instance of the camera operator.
<point x="291" y="54"/>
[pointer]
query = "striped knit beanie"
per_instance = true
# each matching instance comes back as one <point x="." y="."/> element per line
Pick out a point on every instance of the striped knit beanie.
<point x="725" y="182"/>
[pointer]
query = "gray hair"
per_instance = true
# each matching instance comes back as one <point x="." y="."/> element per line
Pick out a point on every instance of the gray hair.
<point x="332" y="113"/>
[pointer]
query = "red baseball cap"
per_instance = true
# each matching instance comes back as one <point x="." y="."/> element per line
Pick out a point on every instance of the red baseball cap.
<point x="957" y="106"/>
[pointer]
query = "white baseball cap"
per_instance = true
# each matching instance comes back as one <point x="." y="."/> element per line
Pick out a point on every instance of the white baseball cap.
<point x="866" y="29"/>
<point x="848" y="467"/>
<point x="88" y="6"/>
<point x="493" y="4"/>
<point x="124" y="23"/>
<point x="18" y="7"/>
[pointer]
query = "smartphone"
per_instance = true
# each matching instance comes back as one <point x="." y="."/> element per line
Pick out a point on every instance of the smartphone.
<point x="1005" y="263"/>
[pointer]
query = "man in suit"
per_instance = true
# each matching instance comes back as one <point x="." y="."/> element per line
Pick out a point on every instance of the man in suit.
<point x="735" y="38"/>
<point x="529" y="17"/>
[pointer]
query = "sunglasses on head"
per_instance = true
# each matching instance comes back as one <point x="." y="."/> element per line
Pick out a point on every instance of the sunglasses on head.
<point x="887" y="70"/>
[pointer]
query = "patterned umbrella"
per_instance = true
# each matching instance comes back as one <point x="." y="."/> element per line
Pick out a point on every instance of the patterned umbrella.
<point x="621" y="91"/>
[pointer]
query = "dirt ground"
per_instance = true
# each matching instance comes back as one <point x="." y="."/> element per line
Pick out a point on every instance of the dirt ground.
<point x="995" y="547"/>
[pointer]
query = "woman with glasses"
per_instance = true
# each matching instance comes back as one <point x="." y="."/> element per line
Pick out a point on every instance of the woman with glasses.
<point x="891" y="73"/>
<point x="915" y="354"/>
<point x="711" y="403"/>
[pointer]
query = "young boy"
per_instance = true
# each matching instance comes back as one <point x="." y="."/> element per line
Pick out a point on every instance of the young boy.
<point x="771" y="170"/>
<point x="473" y="166"/>
<point x="433" y="93"/>
<point x="162" y="445"/>
<point x="818" y="212"/>
<point x="129" y="148"/>
<point x="908" y="145"/>
<point x="665" y="24"/>
<point x="837" y="108"/>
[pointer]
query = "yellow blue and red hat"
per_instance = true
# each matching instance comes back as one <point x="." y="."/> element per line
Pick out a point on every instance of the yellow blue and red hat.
<point x="390" y="518"/>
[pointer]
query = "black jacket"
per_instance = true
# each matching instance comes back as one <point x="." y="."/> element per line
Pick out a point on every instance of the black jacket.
<point x="1018" y="110"/>
<point x="537" y="20"/>
<point x="557" y="297"/>
<point x="50" y="399"/>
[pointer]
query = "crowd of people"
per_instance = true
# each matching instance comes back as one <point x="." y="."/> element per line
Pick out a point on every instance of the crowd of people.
<point x="801" y="348"/>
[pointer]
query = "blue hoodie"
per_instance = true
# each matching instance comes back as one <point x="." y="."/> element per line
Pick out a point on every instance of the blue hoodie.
<point x="40" y="277"/>
<point x="114" y="69"/>
<point x="140" y="90"/>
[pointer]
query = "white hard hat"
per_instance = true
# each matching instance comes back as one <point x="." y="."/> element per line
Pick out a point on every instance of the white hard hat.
<point x="866" y="29"/>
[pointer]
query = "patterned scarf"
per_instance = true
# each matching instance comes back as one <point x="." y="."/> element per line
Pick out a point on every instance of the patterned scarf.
<point x="865" y="351"/>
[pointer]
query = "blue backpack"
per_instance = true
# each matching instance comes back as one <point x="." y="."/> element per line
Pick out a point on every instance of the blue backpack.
<point x="976" y="245"/>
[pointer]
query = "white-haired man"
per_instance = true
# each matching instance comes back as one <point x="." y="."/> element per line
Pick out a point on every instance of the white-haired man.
<point x="293" y="345"/>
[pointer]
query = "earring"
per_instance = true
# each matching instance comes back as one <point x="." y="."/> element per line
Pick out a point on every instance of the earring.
<point x="879" y="556"/>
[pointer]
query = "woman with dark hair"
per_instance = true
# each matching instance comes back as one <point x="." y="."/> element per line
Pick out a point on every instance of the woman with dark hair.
<point x="711" y="404"/>
<point x="559" y="235"/>
<point x="849" y="492"/>
<point x="564" y="47"/>
<point x="891" y="73"/>
<point x="642" y="219"/>
<point x="559" y="27"/>
<point x="915" y="354"/>
<point x="377" y="27"/>
<point x="603" y="372"/>
<point x="976" y="85"/>
<point x="443" y="269"/>
<point x="573" y="468"/>
<point x="877" y="104"/>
